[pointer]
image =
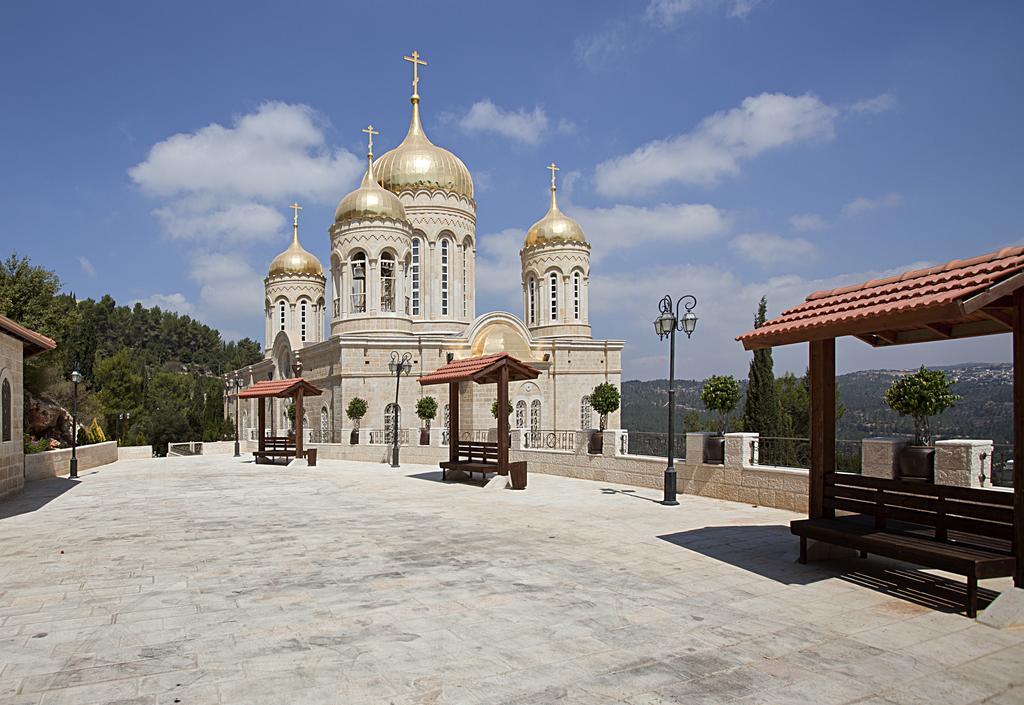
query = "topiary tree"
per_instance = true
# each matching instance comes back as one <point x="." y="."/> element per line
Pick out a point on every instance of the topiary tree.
<point x="494" y="409"/>
<point x="605" y="400"/>
<point x="356" y="409"/>
<point x="426" y="410"/>
<point x="291" y="413"/>
<point x="721" y="394"/>
<point x="921" y="395"/>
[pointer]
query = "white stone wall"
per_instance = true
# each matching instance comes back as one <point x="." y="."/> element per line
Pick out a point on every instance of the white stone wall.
<point x="12" y="469"/>
<point x="56" y="463"/>
<point x="134" y="452"/>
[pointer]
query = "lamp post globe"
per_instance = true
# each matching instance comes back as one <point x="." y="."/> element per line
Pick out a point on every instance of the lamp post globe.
<point x="666" y="324"/>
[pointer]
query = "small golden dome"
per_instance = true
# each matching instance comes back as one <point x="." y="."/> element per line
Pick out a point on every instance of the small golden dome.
<point x="417" y="163"/>
<point x="295" y="260"/>
<point x="555" y="226"/>
<point x="370" y="201"/>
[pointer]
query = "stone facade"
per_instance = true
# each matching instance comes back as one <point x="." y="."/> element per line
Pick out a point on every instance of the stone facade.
<point x="57" y="463"/>
<point x="12" y="463"/>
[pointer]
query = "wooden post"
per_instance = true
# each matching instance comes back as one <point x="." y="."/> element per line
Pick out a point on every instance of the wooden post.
<point x="503" y="420"/>
<point x="1018" y="436"/>
<point x="823" y="423"/>
<point x="453" y="421"/>
<point x="262" y="440"/>
<point x="298" y="423"/>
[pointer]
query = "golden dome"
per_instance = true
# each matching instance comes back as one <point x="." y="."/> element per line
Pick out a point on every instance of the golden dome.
<point x="555" y="226"/>
<point x="370" y="201"/>
<point x="295" y="260"/>
<point x="417" y="163"/>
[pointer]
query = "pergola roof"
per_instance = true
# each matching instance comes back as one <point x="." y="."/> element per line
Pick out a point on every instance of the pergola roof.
<point x="959" y="299"/>
<point x="482" y="370"/>
<point x="280" y="388"/>
<point x="35" y="343"/>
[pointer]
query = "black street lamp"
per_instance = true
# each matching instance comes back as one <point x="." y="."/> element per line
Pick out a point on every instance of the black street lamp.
<point x="666" y="325"/>
<point x="77" y="379"/>
<point x="236" y="385"/>
<point x="398" y="366"/>
<point x="122" y="420"/>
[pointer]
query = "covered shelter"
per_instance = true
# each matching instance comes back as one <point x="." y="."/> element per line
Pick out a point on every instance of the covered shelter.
<point x="960" y="299"/>
<point x="497" y="368"/>
<point x="295" y="388"/>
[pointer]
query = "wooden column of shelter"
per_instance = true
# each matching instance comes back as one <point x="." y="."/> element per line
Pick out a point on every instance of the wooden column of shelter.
<point x="823" y="422"/>
<point x="1018" y="434"/>
<point x="453" y="421"/>
<point x="294" y="388"/>
<point x="503" y="421"/>
<point x="299" y="410"/>
<point x="262" y="440"/>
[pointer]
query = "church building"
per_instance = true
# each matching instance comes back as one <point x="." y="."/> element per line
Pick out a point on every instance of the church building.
<point x="403" y="278"/>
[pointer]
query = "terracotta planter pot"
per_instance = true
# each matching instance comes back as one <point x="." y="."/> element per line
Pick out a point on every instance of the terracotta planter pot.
<point x="353" y="438"/>
<point x="917" y="464"/>
<point x="714" y="450"/>
<point x="517" y="476"/>
<point x="424" y="436"/>
<point x="596" y="446"/>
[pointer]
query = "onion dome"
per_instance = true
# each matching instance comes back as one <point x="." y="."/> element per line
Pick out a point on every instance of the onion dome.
<point x="296" y="260"/>
<point x="417" y="163"/>
<point x="555" y="226"/>
<point x="370" y="201"/>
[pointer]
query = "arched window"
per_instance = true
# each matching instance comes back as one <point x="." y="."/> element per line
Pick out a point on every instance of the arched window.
<point x="415" y="276"/>
<point x="576" y="280"/>
<point x="5" y="403"/>
<point x="521" y="414"/>
<point x="447" y="426"/>
<point x="465" y="280"/>
<point x="534" y="437"/>
<point x="325" y="425"/>
<point x="282" y="308"/>
<point x="303" y="315"/>
<point x="359" y="283"/>
<point x="245" y="419"/>
<point x="531" y="297"/>
<point x="387" y="283"/>
<point x="586" y="414"/>
<point x="389" y="421"/>
<point x="444" y="276"/>
<point x="553" y="292"/>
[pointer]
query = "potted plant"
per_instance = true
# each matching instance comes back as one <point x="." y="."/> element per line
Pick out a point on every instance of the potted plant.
<point x="720" y="394"/>
<point x="604" y="400"/>
<point x="426" y="410"/>
<point x="921" y="396"/>
<point x="356" y="410"/>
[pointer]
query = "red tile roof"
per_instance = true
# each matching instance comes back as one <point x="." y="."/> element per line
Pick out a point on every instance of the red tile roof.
<point x="35" y="343"/>
<point x="279" y="388"/>
<point x="481" y="369"/>
<point x="921" y="298"/>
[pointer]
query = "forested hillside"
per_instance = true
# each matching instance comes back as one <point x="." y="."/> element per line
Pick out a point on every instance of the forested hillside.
<point x="150" y="375"/>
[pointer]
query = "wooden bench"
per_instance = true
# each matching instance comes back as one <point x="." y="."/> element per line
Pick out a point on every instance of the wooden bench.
<point x="961" y="530"/>
<point x="275" y="447"/>
<point x="474" y="456"/>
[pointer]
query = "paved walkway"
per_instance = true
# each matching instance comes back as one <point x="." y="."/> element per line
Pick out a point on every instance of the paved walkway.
<point x="204" y="580"/>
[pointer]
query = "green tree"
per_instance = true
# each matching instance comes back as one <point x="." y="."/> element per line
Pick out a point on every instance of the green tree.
<point x="762" y="412"/>
<point x="426" y="410"/>
<point x="924" y="394"/>
<point x="720" y="394"/>
<point x="356" y="409"/>
<point x="169" y="397"/>
<point x="118" y="381"/>
<point x="494" y="409"/>
<point x="605" y="400"/>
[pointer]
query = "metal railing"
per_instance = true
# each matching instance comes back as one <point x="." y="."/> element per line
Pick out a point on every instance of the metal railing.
<point x="475" y="435"/>
<point x="654" y="444"/>
<point x="383" y="437"/>
<point x="358" y="303"/>
<point x="549" y="440"/>
<point x="788" y="452"/>
<point x="184" y="449"/>
<point x="997" y="470"/>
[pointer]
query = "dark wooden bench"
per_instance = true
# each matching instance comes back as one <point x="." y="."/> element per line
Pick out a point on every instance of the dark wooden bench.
<point x="961" y="530"/>
<point x="275" y="447"/>
<point x="474" y="456"/>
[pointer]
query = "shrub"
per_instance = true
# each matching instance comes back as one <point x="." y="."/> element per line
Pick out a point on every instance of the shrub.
<point x="356" y="409"/>
<point x="426" y="409"/>
<point x="605" y="400"/>
<point x="39" y="446"/>
<point x="921" y="395"/>
<point x="494" y="409"/>
<point x="721" y="394"/>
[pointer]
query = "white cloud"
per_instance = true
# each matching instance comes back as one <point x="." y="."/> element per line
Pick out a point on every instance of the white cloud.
<point x="498" y="268"/>
<point x="719" y="144"/>
<point x="604" y="46"/>
<point x="668" y="13"/>
<point x="566" y="127"/>
<point x="872" y="106"/>
<point x="862" y="205"/>
<point x="520" y="125"/>
<point x="176" y="302"/>
<point x="767" y="248"/>
<point x="623" y="227"/>
<point x="230" y="290"/>
<point x="86" y="266"/>
<point x="806" y="221"/>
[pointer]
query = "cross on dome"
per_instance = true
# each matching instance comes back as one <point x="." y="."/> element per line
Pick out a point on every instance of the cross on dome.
<point x="370" y="132"/>
<point x="296" y="207"/>
<point x="416" y="63"/>
<point x="552" y="168"/>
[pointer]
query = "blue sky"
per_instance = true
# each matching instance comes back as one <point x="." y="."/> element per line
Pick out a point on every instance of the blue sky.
<point x="725" y="148"/>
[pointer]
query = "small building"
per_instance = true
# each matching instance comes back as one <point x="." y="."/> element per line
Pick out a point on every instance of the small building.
<point x="17" y="343"/>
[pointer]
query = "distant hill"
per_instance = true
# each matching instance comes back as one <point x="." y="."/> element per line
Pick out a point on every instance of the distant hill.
<point x="984" y="412"/>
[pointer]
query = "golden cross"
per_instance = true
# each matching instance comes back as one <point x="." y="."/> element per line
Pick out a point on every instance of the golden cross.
<point x="416" y="63"/>
<point x="371" y="132"/>
<point x="553" y="169"/>
<point x="296" y="207"/>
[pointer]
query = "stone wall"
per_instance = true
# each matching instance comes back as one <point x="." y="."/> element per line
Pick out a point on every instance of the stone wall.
<point x="12" y="472"/>
<point x="55" y="463"/>
<point x="134" y="452"/>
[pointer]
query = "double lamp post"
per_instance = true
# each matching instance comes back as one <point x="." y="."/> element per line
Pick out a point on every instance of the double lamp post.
<point x="235" y="384"/>
<point x="398" y="366"/>
<point x="667" y="324"/>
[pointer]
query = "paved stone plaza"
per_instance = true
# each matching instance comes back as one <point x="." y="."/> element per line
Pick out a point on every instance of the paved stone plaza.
<point x="206" y="580"/>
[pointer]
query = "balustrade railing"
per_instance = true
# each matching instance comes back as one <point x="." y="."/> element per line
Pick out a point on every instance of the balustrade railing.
<point x="549" y="440"/>
<point x="383" y="437"/>
<point x="654" y="444"/>
<point x="358" y="303"/>
<point x="791" y="452"/>
<point x="179" y="449"/>
<point x="999" y="467"/>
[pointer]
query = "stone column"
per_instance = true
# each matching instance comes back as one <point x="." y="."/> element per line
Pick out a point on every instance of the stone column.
<point x="695" y="447"/>
<point x="959" y="462"/>
<point x="880" y="457"/>
<point x="738" y="449"/>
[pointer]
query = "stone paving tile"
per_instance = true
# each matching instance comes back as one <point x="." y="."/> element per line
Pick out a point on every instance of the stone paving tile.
<point x="210" y="582"/>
